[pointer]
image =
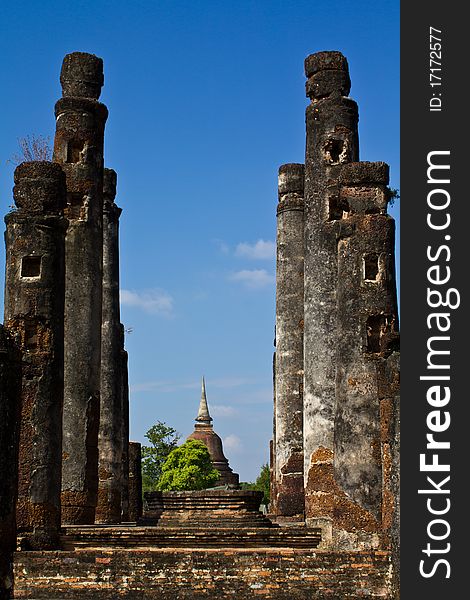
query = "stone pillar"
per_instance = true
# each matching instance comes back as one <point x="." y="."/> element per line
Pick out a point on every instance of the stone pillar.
<point x="34" y="315"/>
<point x="368" y="327"/>
<point x="108" y="509"/>
<point x="125" y="431"/>
<point x="135" y="481"/>
<point x="289" y="477"/>
<point x="78" y="148"/>
<point x="10" y="377"/>
<point x="332" y="140"/>
<point x="272" y="444"/>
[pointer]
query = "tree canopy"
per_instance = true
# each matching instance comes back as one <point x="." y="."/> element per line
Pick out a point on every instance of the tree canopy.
<point x="163" y="440"/>
<point x="188" y="467"/>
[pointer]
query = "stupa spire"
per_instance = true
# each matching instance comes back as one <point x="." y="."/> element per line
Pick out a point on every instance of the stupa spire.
<point x="205" y="433"/>
<point x="203" y="415"/>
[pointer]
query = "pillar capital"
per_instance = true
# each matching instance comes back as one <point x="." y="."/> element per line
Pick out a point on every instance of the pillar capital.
<point x="39" y="187"/>
<point x="82" y="75"/>
<point x="327" y="74"/>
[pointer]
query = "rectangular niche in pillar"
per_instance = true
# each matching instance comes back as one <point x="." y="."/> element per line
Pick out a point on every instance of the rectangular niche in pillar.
<point x="75" y="202"/>
<point x="378" y="329"/>
<point x="31" y="266"/>
<point x="74" y="151"/>
<point x="371" y="267"/>
<point x="30" y="336"/>
<point x="338" y="209"/>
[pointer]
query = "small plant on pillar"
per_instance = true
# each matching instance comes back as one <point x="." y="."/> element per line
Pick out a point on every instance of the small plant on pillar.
<point x="393" y="194"/>
<point x="32" y="148"/>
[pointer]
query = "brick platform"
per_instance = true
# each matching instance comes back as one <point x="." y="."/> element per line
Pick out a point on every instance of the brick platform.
<point x="165" y="574"/>
<point x="78" y="537"/>
<point x="205" y="508"/>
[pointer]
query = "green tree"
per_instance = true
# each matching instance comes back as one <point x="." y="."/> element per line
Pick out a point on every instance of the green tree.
<point x="188" y="467"/>
<point x="164" y="439"/>
<point x="262" y="484"/>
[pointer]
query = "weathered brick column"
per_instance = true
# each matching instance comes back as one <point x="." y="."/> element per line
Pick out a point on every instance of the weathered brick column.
<point x="368" y="335"/>
<point x="78" y="147"/>
<point x="110" y="440"/>
<point x="124" y="430"/>
<point x="10" y="377"/>
<point x="288" y="475"/>
<point x="34" y="315"/>
<point x="332" y="140"/>
<point x="135" y="481"/>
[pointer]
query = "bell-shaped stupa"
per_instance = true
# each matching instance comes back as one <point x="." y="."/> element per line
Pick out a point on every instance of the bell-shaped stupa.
<point x="205" y="433"/>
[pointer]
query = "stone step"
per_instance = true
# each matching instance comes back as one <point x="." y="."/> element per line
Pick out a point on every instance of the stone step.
<point x="203" y="520"/>
<point x="76" y="537"/>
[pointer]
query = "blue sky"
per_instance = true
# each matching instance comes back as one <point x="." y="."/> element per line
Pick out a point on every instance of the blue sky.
<point x="206" y="100"/>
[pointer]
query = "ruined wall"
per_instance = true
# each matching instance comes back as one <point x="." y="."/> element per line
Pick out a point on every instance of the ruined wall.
<point x="110" y="442"/>
<point x="288" y="490"/>
<point x="78" y="148"/>
<point x="278" y="574"/>
<point x="34" y="316"/>
<point x="10" y="376"/>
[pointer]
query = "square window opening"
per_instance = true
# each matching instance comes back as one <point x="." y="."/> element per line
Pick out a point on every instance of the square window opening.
<point x="31" y="266"/>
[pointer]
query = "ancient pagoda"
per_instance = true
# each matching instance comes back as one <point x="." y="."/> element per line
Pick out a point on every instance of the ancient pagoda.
<point x="204" y="432"/>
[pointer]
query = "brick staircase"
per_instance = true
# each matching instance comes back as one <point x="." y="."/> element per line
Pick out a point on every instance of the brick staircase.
<point x="208" y="508"/>
<point x="79" y="537"/>
<point x="207" y="519"/>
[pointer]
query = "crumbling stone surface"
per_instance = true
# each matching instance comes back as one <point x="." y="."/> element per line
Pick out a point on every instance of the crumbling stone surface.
<point x="135" y="481"/>
<point x="110" y="441"/>
<point x="327" y="75"/>
<point x="332" y="140"/>
<point x="82" y="75"/>
<point x="10" y="376"/>
<point x="34" y="316"/>
<point x="78" y="148"/>
<point x="357" y="173"/>
<point x="288" y="499"/>
<point x="39" y="187"/>
<point x="125" y="430"/>
<point x="368" y="322"/>
<point x="324" y="61"/>
<point x="349" y="318"/>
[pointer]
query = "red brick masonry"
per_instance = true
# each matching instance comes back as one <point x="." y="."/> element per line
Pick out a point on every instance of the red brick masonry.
<point x="167" y="574"/>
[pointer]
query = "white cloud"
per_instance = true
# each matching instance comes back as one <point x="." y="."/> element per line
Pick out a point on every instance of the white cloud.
<point x="261" y="250"/>
<point x="255" y="279"/>
<point x="157" y="302"/>
<point x="222" y="411"/>
<point x="232" y="443"/>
